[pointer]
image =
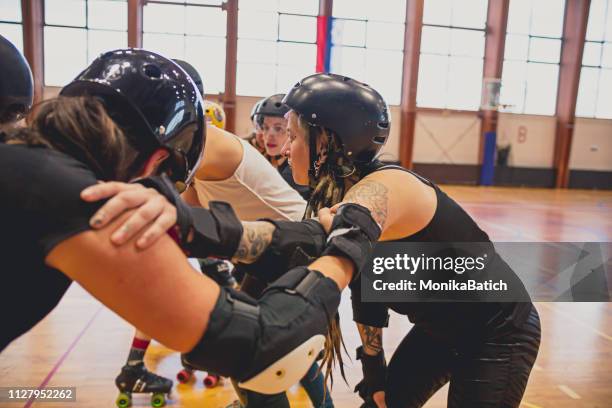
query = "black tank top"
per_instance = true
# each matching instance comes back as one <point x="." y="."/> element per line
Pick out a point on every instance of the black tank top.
<point x="450" y="223"/>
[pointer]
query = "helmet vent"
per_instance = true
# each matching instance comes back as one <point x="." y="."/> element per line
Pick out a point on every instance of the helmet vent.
<point x="380" y="139"/>
<point x="346" y="79"/>
<point x="152" y="71"/>
<point x="278" y="104"/>
<point x="383" y="125"/>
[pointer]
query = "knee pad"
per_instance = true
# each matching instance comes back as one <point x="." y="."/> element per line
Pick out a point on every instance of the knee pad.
<point x="269" y="345"/>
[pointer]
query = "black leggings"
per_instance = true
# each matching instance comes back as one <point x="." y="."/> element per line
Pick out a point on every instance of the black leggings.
<point x="490" y="373"/>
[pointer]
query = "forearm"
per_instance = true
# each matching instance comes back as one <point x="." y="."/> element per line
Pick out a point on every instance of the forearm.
<point x="268" y="249"/>
<point x="337" y="268"/>
<point x="256" y="238"/>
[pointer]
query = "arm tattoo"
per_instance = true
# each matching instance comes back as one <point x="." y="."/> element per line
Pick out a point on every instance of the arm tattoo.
<point x="371" y="337"/>
<point x="255" y="239"/>
<point x="372" y="195"/>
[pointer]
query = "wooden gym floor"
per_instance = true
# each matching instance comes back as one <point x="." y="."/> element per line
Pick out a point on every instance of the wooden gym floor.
<point x="83" y="344"/>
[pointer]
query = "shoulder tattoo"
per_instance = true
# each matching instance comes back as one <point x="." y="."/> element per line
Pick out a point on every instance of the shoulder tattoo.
<point x="374" y="196"/>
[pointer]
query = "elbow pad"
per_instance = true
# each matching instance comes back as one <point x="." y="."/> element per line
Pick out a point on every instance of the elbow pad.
<point x="293" y="244"/>
<point x="269" y="345"/>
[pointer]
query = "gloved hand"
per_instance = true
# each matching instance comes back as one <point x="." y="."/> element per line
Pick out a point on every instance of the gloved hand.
<point x="374" y="369"/>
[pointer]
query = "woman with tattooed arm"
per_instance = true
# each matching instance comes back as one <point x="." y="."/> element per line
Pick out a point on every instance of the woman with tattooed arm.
<point x="336" y="128"/>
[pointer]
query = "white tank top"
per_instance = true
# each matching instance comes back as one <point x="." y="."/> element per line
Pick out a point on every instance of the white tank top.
<point x="256" y="190"/>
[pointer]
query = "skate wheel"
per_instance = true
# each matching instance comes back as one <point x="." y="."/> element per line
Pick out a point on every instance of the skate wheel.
<point x="184" y="376"/>
<point x="158" y="400"/>
<point x="124" y="400"/>
<point x="211" y="381"/>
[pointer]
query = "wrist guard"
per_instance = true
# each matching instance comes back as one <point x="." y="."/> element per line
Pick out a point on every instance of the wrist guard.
<point x="374" y="369"/>
<point x="353" y="235"/>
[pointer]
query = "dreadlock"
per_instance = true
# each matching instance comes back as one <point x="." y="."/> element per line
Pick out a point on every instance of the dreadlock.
<point x="328" y="185"/>
<point x="335" y="175"/>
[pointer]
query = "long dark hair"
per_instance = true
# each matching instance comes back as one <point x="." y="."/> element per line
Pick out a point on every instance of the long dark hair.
<point x="81" y="128"/>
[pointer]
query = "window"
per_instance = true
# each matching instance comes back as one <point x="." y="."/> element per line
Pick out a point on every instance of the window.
<point x="452" y="52"/>
<point x="367" y="44"/>
<point x="276" y="45"/>
<point x="77" y="32"/>
<point x="594" y="96"/>
<point x="532" y="55"/>
<point x="10" y="22"/>
<point x="194" y="31"/>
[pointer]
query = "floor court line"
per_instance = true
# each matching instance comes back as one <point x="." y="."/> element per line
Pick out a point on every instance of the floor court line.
<point x="529" y="405"/>
<point x="64" y="356"/>
<point x="577" y="321"/>
<point x="568" y="391"/>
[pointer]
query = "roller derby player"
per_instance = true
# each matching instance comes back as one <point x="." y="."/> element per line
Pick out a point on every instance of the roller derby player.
<point x="118" y="121"/>
<point x="270" y="117"/>
<point x="336" y="128"/>
<point x="16" y="86"/>
<point x="255" y="138"/>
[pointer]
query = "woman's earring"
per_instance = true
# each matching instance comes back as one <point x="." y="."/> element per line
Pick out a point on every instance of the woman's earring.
<point x="319" y="162"/>
<point x="317" y="168"/>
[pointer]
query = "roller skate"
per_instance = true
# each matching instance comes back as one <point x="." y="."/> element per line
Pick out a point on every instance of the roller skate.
<point x="185" y="375"/>
<point x="212" y="380"/>
<point x="137" y="379"/>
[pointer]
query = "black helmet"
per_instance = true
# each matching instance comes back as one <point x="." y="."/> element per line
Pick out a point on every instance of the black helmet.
<point x="354" y="111"/>
<point x="16" y="85"/>
<point x="272" y="106"/>
<point x="154" y="100"/>
<point x="254" y="110"/>
<point x="193" y="73"/>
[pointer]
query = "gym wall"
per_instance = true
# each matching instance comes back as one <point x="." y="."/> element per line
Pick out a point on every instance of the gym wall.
<point x="446" y="146"/>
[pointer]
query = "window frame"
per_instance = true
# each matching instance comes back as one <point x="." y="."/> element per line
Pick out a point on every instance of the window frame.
<point x="529" y="61"/>
<point x="449" y="55"/>
<point x="366" y="20"/>
<point x="87" y="30"/>
<point x="600" y="67"/>
<point x="277" y="41"/>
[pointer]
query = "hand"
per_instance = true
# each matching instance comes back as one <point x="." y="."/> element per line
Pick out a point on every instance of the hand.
<point x="379" y="399"/>
<point x="153" y="211"/>
<point x="326" y="217"/>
